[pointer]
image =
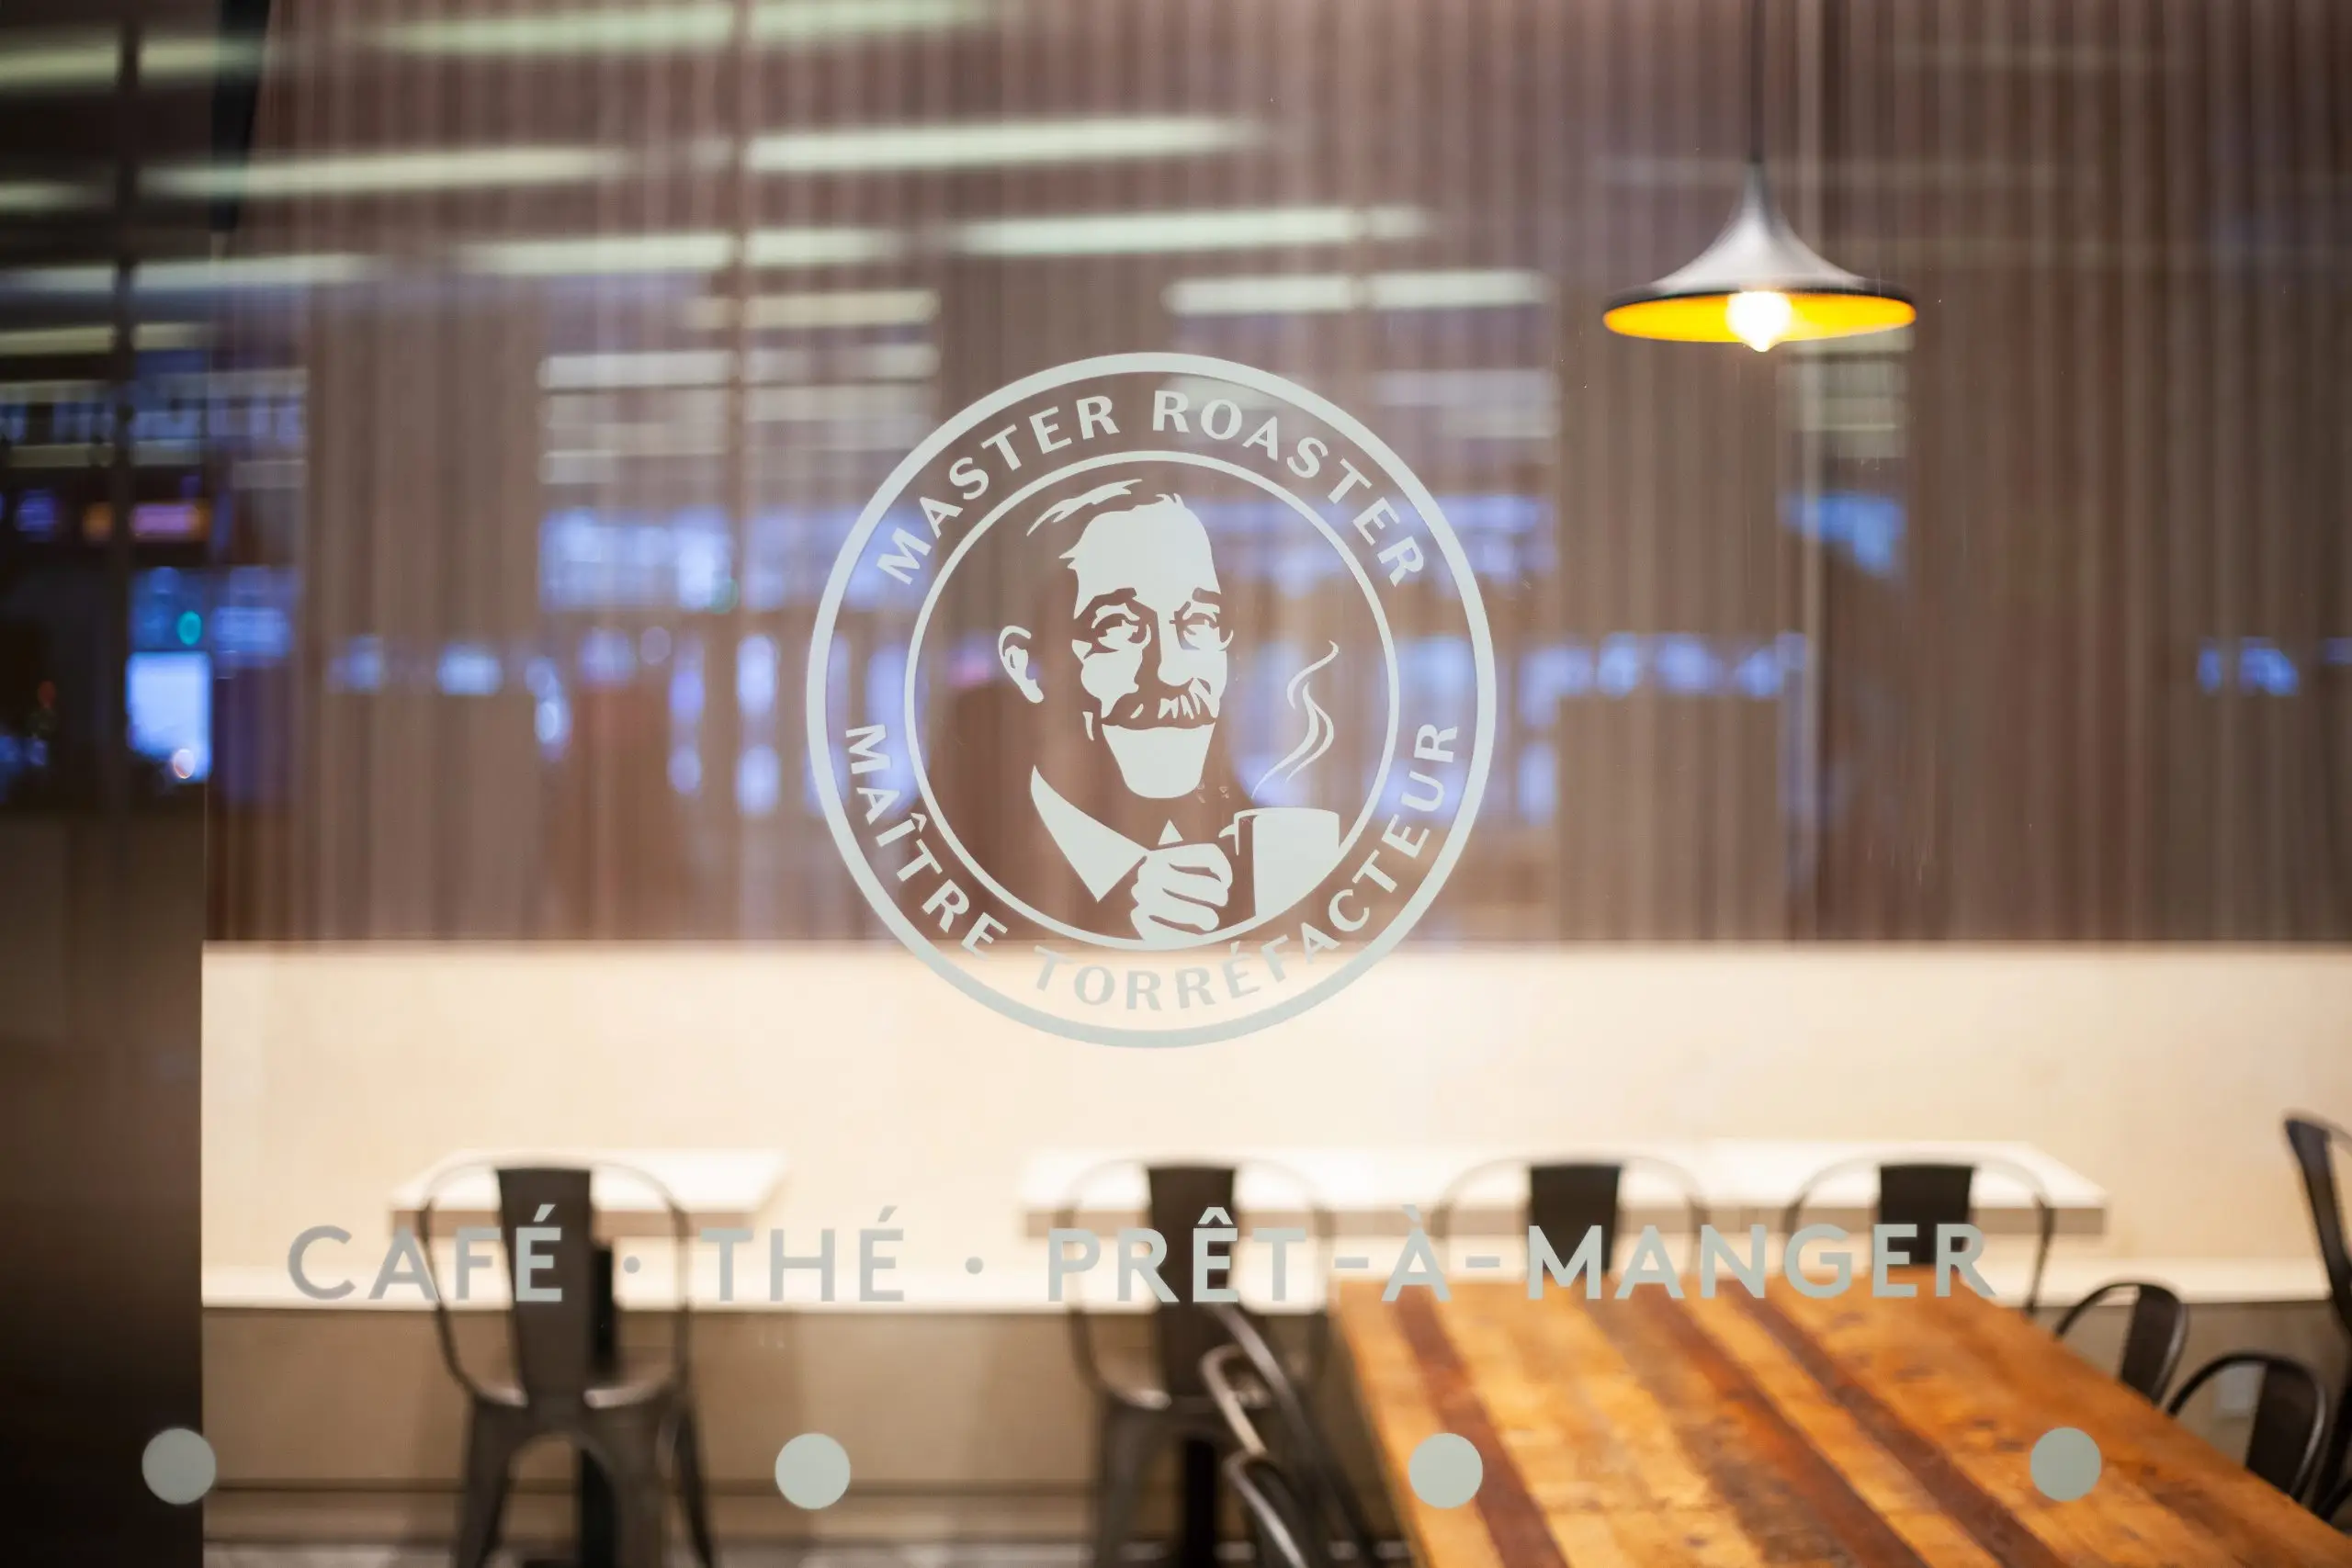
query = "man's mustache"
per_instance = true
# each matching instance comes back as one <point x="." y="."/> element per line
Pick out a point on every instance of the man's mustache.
<point x="1161" y="707"/>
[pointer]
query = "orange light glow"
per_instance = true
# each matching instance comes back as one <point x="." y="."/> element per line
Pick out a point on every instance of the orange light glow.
<point x="1706" y="318"/>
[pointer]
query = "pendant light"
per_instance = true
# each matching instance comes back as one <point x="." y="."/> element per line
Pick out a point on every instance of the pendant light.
<point x="1757" y="283"/>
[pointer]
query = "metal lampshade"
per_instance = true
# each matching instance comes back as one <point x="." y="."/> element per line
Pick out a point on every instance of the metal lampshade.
<point x="1757" y="283"/>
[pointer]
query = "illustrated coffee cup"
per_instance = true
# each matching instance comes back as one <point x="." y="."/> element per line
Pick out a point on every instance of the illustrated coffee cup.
<point x="1289" y="849"/>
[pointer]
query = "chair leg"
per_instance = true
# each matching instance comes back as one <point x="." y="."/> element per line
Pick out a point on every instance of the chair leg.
<point x="2339" y="1438"/>
<point x="1130" y="1439"/>
<point x="628" y="1445"/>
<point x="1339" y="1501"/>
<point x="493" y="1435"/>
<point x="692" y="1496"/>
<point x="1196" y="1529"/>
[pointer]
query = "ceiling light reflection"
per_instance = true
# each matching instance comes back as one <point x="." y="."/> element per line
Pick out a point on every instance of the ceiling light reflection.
<point x="19" y="196"/>
<point x="226" y="274"/>
<point x="1308" y="293"/>
<point x="696" y="26"/>
<point x="843" y="308"/>
<point x="365" y="173"/>
<point x="150" y="336"/>
<point x="92" y="57"/>
<point x="995" y="144"/>
<point x="704" y="251"/>
<point x="1128" y="233"/>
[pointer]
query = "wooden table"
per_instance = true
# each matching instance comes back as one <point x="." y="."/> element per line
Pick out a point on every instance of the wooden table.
<point x="1785" y="1431"/>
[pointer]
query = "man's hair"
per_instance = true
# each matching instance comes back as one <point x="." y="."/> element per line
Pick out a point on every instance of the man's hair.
<point x="1071" y="517"/>
<point x="1091" y="500"/>
<point x="1119" y="495"/>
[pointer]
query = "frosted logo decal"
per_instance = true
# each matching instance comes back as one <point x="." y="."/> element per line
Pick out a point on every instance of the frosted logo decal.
<point x="1152" y="699"/>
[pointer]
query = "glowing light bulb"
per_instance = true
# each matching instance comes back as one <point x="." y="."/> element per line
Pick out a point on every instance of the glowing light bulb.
<point x="1759" y="318"/>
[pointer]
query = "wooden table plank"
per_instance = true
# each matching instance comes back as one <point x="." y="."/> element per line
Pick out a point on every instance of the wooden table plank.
<point x="1785" y="1491"/>
<point x="1927" y="1386"/>
<point x="1895" y="1489"/>
<point x="1993" y="1381"/>
<point x="1789" y="1431"/>
<point x="1987" y="1515"/>
<point x="1605" y="1477"/>
<point x="1521" y="1535"/>
<point x="1389" y="1378"/>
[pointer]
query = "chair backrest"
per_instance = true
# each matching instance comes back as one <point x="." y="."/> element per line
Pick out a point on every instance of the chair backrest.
<point x="1317" y="1476"/>
<point x="2290" y="1417"/>
<point x="1567" y="1200"/>
<point x="561" y="1347"/>
<point x="556" y="1342"/>
<point x="1926" y="1194"/>
<point x="2313" y="1141"/>
<point x="2153" y="1338"/>
<point x="1177" y="1195"/>
<point x="1930" y="1195"/>
<point x="1184" y="1332"/>
<point x="1571" y="1199"/>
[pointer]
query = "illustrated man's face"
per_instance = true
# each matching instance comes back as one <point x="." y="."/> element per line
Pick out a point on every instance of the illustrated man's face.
<point x="1146" y="628"/>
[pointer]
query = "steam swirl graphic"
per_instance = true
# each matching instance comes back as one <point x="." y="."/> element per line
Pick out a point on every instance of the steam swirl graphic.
<point x="1317" y="739"/>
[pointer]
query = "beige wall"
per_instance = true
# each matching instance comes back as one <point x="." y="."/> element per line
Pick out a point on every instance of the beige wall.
<point x="329" y="1074"/>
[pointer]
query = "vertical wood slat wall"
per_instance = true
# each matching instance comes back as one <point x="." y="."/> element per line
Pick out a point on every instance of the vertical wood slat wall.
<point x="2100" y="489"/>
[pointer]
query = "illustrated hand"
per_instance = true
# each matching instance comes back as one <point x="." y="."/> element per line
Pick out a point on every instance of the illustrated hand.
<point x="1181" y="890"/>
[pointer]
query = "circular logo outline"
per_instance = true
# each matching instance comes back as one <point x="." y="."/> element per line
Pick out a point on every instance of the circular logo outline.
<point x="817" y="696"/>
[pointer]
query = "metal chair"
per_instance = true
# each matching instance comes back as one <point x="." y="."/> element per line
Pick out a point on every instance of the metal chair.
<point x="1314" y="1475"/>
<point x="1929" y="1194"/>
<point x="2313" y="1143"/>
<point x="2152" y="1339"/>
<point x="2336" y="1505"/>
<point x="1271" y="1510"/>
<point x="1283" y="1526"/>
<point x="1572" y="1199"/>
<point x="568" y="1382"/>
<point x="2290" y="1417"/>
<point x="1137" y="1422"/>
